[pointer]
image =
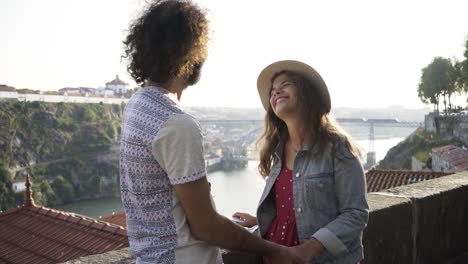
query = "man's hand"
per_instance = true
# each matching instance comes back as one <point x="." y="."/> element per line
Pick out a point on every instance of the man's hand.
<point x="247" y="220"/>
<point x="207" y="225"/>
<point x="309" y="249"/>
<point x="286" y="255"/>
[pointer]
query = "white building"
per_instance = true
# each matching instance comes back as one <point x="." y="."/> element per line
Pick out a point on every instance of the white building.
<point x="117" y="85"/>
<point x="19" y="184"/>
<point x="8" y="95"/>
<point x="7" y="92"/>
<point x="86" y="91"/>
<point x="106" y="92"/>
<point x="70" y="91"/>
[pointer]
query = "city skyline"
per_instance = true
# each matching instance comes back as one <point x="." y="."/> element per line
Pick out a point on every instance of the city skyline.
<point x="370" y="54"/>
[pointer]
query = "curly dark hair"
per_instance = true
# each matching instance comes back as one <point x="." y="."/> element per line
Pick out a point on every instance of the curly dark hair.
<point x="168" y="40"/>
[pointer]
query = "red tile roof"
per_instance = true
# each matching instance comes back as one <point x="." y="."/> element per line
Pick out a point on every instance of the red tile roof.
<point x="117" y="218"/>
<point x="32" y="234"/>
<point x="378" y="180"/>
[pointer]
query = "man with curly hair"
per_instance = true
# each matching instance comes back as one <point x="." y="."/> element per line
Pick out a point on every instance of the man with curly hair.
<point x="170" y="213"/>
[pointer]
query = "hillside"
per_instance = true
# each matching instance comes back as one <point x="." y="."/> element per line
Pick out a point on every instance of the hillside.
<point x="419" y="144"/>
<point x="66" y="148"/>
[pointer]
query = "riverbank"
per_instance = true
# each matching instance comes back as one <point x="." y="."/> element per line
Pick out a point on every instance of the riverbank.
<point x="240" y="189"/>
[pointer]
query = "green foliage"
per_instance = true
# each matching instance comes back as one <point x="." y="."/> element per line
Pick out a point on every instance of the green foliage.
<point x="64" y="139"/>
<point x="43" y="193"/>
<point x="462" y="70"/>
<point x="88" y="115"/>
<point x="419" y="144"/>
<point x="442" y="78"/>
<point x="5" y="175"/>
<point x="7" y="199"/>
<point x="429" y="163"/>
<point x="437" y="79"/>
<point x="422" y="156"/>
<point x="63" y="189"/>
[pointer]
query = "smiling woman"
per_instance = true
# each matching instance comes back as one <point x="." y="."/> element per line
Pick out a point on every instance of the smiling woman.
<point x="315" y="192"/>
<point x="283" y="94"/>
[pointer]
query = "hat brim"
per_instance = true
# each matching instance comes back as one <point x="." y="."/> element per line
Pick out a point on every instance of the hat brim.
<point x="264" y="80"/>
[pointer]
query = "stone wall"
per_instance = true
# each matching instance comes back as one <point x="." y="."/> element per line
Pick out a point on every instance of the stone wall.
<point x="419" y="223"/>
<point x="452" y="125"/>
<point x="426" y="222"/>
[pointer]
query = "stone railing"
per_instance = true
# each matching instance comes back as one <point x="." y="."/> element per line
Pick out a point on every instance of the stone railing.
<point x="426" y="222"/>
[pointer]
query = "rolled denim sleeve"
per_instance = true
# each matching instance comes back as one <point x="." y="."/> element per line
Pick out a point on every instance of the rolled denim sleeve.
<point x="353" y="210"/>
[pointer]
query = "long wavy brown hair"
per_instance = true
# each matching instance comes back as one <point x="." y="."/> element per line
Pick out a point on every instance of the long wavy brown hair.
<point x="317" y="122"/>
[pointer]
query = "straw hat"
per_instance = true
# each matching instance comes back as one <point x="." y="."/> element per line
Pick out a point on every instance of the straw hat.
<point x="264" y="80"/>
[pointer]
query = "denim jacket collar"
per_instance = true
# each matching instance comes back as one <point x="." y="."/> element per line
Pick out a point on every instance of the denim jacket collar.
<point x="312" y="148"/>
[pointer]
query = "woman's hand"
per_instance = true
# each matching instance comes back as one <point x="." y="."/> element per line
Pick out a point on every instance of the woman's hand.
<point x="246" y="220"/>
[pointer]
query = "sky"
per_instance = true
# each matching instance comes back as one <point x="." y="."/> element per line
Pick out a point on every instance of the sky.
<point x="370" y="53"/>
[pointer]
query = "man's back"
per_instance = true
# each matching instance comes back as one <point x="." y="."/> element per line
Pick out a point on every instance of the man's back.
<point x="156" y="134"/>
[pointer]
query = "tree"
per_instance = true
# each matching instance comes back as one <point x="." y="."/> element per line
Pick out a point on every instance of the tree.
<point x="7" y="199"/>
<point x="462" y="71"/>
<point x="43" y="193"/>
<point x="87" y="114"/>
<point x="437" y="79"/>
<point x="63" y="189"/>
<point x="5" y="175"/>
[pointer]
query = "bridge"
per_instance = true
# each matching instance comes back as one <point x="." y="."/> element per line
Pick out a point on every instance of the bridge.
<point x="243" y="132"/>
<point x="364" y="121"/>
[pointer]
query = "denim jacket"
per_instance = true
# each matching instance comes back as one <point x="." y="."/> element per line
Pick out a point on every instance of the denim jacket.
<point x="330" y="201"/>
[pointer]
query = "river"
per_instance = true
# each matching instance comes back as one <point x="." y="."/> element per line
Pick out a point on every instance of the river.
<point x="239" y="190"/>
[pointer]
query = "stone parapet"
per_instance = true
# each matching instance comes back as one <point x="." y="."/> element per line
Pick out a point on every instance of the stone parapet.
<point x="425" y="222"/>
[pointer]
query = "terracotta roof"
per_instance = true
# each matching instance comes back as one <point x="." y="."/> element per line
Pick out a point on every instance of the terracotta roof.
<point x="444" y="148"/>
<point x="117" y="218"/>
<point x="378" y="180"/>
<point x="32" y="234"/>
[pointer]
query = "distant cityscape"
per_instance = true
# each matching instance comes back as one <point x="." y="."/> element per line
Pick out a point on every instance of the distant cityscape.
<point x="114" y="88"/>
<point x="229" y="132"/>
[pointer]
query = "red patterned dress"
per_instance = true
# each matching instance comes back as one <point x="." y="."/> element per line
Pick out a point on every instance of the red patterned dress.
<point x="283" y="229"/>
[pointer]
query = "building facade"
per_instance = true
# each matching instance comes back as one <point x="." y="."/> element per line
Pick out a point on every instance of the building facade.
<point x="118" y="86"/>
<point x="449" y="158"/>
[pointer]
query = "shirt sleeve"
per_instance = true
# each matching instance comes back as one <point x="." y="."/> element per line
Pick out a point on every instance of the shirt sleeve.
<point x="178" y="148"/>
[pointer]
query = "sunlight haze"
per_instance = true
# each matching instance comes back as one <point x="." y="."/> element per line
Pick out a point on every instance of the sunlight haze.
<point x="370" y="53"/>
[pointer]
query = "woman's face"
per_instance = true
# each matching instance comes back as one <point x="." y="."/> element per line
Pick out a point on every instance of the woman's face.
<point x="283" y="96"/>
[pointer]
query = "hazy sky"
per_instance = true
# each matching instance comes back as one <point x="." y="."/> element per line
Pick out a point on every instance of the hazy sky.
<point x="370" y="53"/>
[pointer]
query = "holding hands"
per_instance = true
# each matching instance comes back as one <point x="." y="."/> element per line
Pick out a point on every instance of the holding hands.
<point x="244" y="219"/>
<point x="301" y="254"/>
